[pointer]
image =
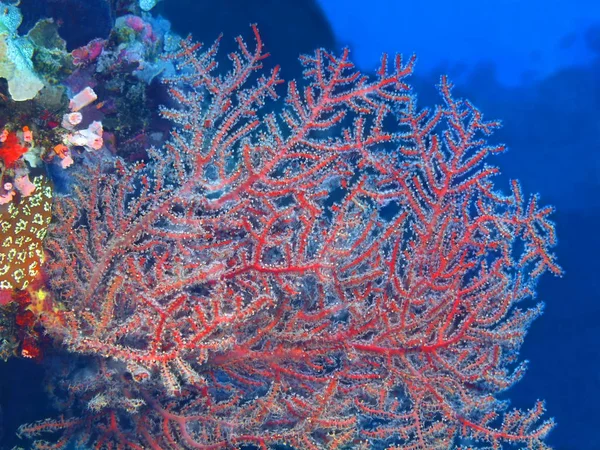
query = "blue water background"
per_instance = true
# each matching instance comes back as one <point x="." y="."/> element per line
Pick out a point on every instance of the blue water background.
<point x="535" y="64"/>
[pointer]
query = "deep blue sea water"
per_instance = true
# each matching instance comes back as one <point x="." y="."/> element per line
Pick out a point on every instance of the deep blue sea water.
<point x="533" y="64"/>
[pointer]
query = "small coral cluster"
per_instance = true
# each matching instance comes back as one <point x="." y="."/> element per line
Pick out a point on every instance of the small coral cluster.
<point x="20" y="154"/>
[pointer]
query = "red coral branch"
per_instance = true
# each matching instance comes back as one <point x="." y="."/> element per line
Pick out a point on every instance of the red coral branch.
<point x="341" y="274"/>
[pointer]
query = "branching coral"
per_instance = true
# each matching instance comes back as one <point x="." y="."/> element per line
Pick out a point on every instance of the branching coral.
<point x="341" y="274"/>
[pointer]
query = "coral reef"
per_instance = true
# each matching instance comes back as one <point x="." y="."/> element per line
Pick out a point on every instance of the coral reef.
<point x="341" y="274"/>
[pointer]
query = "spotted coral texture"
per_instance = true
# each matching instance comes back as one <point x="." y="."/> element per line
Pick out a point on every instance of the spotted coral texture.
<point x="23" y="227"/>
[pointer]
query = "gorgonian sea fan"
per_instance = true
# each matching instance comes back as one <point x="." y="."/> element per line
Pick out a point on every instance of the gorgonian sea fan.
<point x="341" y="274"/>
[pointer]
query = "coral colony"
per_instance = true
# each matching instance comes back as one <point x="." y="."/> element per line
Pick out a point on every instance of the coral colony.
<point x="302" y="265"/>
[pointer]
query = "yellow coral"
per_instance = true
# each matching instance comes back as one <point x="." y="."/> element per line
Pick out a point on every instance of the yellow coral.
<point x="23" y="227"/>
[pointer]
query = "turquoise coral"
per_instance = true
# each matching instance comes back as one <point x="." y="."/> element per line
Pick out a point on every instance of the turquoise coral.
<point x="15" y="57"/>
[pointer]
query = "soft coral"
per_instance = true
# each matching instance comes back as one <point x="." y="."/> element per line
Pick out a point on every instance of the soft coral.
<point x="11" y="150"/>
